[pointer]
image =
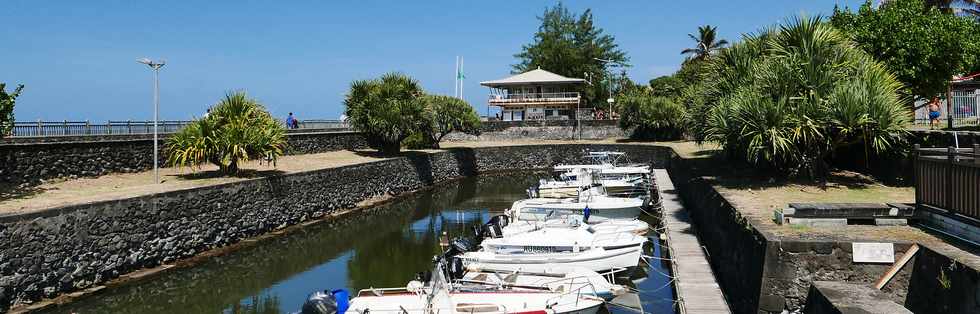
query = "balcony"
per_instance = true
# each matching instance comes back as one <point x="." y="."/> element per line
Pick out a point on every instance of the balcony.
<point x="535" y="98"/>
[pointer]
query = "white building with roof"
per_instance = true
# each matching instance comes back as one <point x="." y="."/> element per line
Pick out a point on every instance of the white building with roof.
<point x="536" y="95"/>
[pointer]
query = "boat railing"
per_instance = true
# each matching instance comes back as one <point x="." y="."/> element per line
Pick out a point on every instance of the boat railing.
<point x="576" y="291"/>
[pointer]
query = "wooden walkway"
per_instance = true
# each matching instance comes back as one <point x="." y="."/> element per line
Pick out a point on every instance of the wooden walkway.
<point x="697" y="289"/>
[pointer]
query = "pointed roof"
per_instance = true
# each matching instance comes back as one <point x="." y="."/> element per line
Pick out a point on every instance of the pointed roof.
<point x="537" y="76"/>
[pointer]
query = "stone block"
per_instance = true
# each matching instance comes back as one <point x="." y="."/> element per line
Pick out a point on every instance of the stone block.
<point x="891" y="221"/>
<point x="818" y="222"/>
<point x="829" y="297"/>
<point x="848" y="210"/>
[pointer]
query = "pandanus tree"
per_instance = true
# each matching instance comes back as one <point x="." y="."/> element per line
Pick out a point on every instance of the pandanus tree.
<point x="789" y="97"/>
<point x="386" y="110"/>
<point x="707" y="43"/>
<point x="237" y="130"/>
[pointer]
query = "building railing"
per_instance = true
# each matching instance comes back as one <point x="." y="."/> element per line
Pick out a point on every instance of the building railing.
<point x="949" y="179"/>
<point x="533" y="97"/>
<point x="68" y="128"/>
<point x="965" y="109"/>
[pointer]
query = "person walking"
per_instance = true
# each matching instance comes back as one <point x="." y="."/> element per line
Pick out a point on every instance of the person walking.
<point x="291" y="122"/>
<point x="934" y="112"/>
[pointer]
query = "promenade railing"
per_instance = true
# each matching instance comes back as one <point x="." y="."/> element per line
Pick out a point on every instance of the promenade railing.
<point x="949" y="179"/>
<point x="69" y="128"/>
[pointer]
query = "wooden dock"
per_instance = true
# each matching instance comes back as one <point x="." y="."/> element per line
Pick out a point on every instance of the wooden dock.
<point x="697" y="289"/>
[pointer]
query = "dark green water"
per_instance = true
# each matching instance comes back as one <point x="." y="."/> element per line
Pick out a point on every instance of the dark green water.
<point x="383" y="249"/>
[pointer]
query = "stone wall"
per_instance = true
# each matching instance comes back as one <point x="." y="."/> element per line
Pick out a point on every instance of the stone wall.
<point x="59" y="250"/>
<point x="31" y="160"/>
<point x="762" y="272"/>
<point x="545" y="130"/>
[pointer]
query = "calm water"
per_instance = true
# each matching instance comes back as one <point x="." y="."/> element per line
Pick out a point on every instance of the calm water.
<point x="381" y="250"/>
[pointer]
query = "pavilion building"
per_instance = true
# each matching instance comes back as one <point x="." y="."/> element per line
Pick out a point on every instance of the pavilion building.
<point x="536" y="95"/>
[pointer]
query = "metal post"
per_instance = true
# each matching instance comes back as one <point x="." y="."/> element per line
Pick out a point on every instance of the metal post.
<point x="976" y="153"/>
<point x="950" y="158"/>
<point x="916" y="164"/>
<point x="40" y="128"/>
<point x="949" y="106"/>
<point x="64" y="129"/>
<point x="88" y="127"/>
<point x="156" y="112"/>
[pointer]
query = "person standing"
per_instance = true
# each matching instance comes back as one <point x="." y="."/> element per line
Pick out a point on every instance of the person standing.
<point x="934" y="112"/>
<point x="291" y="121"/>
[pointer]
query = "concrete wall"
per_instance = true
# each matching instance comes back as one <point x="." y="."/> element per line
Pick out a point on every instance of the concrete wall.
<point x="65" y="249"/>
<point x="944" y="282"/>
<point x="31" y="160"/>
<point x="545" y="130"/>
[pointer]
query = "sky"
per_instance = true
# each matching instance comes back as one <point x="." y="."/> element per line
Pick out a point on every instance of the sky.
<point x="77" y="59"/>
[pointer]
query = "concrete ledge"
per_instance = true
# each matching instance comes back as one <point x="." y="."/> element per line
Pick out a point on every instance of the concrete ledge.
<point x="829" y="297"/>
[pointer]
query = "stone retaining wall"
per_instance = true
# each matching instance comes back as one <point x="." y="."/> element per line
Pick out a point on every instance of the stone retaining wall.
<point x="32" y="160"/>
<point x="762" y="272"/>
<point x="59" y="250"/>
<point x="545" y="130"/>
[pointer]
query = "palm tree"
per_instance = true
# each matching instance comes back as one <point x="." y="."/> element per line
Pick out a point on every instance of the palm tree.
<point x="706" y="44"/>
<point x="966" y="7"/>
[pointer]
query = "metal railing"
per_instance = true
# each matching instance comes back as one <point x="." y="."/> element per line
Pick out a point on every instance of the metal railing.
<point x="949" y="179"/>
<point x="965" y="109"/>
<point x="533" y="96"/>
<point x="70" y="128"/>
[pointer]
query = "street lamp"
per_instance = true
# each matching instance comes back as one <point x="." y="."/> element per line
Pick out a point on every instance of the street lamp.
<point x="609" y="78"/>
<point x="155" y="65"/>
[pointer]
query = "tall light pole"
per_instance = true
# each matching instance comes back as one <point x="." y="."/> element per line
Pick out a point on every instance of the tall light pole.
<point x="155" y="65"/>
<point x="614" y="63"/>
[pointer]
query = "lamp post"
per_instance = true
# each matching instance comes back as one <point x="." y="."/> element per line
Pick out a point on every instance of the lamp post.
<point x="155" y="65"/>
<point x="614" y="63"/>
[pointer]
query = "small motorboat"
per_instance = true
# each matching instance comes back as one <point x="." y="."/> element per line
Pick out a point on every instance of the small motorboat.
<point x="508" y="227"/>
<point x="559" y="279"/>
<point x="440" y="295"/>
<point x="594" y="208"/>
<point x="547" y="248"/>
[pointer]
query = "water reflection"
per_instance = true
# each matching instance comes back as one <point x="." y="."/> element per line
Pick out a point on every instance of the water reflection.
<point x="383" y="247"/>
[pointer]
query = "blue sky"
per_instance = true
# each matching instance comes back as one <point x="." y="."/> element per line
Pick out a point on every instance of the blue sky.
<point x="77" y="58"/>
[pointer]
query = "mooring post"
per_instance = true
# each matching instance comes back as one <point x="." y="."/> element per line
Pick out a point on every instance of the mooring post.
<point x="976" y="153"/>
<point x="916" y="166"/>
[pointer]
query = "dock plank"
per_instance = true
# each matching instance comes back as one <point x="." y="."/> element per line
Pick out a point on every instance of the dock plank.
<point x="697" y="288"/>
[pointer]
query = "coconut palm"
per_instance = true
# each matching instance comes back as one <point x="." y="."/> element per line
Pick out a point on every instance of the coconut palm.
<point x="790" y="97"/>
<point x="706" y="44"/>
<point x="387" y="110"/>
<point x="238" y="129"/>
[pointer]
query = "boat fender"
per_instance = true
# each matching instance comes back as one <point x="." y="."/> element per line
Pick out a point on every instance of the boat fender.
<point x="414" y="286"/>
<point x="327" y="302"/>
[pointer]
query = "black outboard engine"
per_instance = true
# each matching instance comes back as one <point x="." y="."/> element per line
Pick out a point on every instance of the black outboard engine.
<point x="500" y="220"/>
<point x="454" y="268"/>
<point x="326" y="302"/>
<point x="458" y="246"/>
<point x="492" y="231"/>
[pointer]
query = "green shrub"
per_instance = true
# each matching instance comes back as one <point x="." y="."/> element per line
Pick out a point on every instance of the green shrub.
<point x="237" y="129"/>
<point x="7" y="101"/>
<point x="445" y="115"/>
<point x="650" y="117"/>
<point x="387" y="110"/>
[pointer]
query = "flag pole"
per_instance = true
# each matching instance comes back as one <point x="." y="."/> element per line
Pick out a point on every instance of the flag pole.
<point x="456" y="79"/>
<point x="461" y="77"/>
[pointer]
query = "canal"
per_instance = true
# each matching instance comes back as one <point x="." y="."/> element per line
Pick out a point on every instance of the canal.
<point x="383" y="247"/>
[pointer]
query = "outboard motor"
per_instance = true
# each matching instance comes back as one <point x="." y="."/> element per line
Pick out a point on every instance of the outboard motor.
<point x="492" y="230"/>
<point x="327" y="302"/>
<point x="500" y="220"/>
<point x="458" y="246"/>
<point x="454" y="268"/>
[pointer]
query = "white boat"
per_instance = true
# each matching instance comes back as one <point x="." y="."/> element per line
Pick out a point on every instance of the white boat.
<point x="538" y="251"/>
<point x="439" y="296"/>
<point x="559" y="279"/>
<point x="600" y="208"/>
<point x="632" y="226"/>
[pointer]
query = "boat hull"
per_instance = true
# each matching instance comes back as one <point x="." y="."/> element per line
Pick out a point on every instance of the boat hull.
<point x="598" y="260"/>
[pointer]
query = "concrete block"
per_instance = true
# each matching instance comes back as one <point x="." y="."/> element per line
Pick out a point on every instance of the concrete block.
<point x="840" y="297"/>
<point x="891" y="222"/>
<point x="818" y="222"/>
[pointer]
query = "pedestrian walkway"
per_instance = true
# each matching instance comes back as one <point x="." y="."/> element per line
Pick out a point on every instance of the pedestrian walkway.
<point x="697" y="289"/>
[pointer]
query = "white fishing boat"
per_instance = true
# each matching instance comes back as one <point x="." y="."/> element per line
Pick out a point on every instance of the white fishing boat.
<point x="632" y="226"/>
<point x="600" y="208"/>
<point x="540" y="250"/>
<point x="559" y="279"/>
<point x="440" y="296"/>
